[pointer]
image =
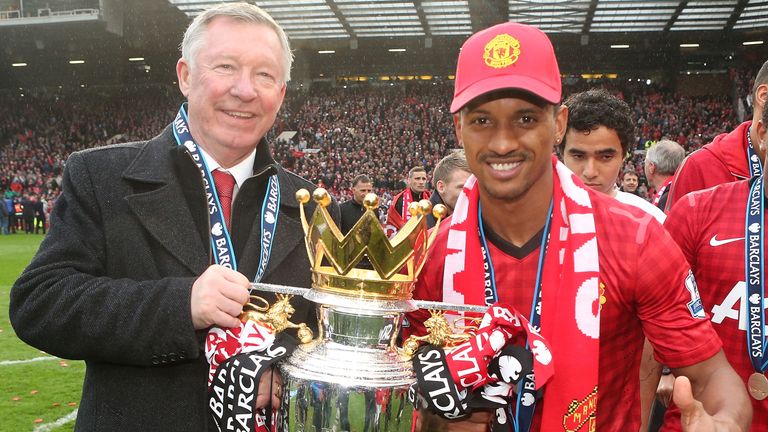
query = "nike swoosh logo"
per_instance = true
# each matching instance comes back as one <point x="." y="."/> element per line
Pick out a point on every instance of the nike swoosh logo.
<point x="714" y="242"/>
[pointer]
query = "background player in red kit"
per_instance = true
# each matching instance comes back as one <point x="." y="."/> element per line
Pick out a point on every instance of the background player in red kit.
<point x="415" y="190"/>
<point x="508" y="117"/>
<point x="729" y="157"/>
<point x="709" y="226"/>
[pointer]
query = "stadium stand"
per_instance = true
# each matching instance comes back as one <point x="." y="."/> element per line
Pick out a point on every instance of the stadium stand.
<point x="340" y="132"/>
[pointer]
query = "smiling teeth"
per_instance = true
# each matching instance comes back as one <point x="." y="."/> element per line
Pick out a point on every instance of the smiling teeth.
<point x="504" y="166"/>
<point x="239" y="114"/>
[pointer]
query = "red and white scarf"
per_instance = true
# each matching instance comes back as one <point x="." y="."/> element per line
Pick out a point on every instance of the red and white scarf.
<point x="570" y="315"/>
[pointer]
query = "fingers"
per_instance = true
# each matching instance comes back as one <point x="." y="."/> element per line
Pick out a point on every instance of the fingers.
<point x="270" y="389"/>
<point x="692" y="413"/>
<point x="217" y="297"/>
<point x="682" y="394"/>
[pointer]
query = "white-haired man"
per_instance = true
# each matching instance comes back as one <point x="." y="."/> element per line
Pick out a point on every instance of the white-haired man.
<point x="125" y="281"/>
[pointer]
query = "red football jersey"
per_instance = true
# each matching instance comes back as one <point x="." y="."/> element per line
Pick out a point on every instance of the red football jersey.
<point x="644" y="275"/>
<point x="709" y="228"/>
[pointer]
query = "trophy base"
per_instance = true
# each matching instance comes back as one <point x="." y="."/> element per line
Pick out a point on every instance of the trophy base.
<point x="315" y="406"/>
<point x="333" y="387"/>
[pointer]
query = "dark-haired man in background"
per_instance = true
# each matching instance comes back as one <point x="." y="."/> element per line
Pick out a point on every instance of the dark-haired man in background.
<point x="353" y="209"/>
<point x="415" y="191"/>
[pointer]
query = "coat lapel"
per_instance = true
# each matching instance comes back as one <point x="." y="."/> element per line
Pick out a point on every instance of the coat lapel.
<point x="288" y="234"/>
<point x="160" y="202"/>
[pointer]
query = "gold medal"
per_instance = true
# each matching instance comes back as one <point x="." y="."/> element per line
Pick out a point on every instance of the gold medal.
<point x="758" y="386"/>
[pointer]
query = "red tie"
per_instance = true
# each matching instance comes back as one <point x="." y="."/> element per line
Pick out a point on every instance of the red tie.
<point x="225" y="185"/>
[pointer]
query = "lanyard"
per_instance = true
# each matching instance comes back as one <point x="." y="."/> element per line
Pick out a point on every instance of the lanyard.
<point x="753" y="160"/>
<point x="754" y="261"/>
<point x="523" y="415"/>
<point x="221" y="243"/>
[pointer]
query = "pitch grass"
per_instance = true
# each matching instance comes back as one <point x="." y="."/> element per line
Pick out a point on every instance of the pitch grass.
<point x="44" y="390"/>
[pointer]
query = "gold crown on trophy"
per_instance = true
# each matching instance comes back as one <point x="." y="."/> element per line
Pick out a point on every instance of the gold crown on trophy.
<point x="366" y="263"/>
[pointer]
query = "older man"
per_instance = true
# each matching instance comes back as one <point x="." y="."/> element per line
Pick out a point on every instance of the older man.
<point x="124" y="279"/>
<point x="661" y="162"/>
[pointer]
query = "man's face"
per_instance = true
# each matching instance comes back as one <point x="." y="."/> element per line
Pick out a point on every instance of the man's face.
<point x="418" y="182"/>
<point x="449" y="191"/>
<point x="234" y="89"/>
<point x="360" y="190"/>
<point x="629" y="183"/>
<point x="508" y="143"/>
<point x="595" y="157"/>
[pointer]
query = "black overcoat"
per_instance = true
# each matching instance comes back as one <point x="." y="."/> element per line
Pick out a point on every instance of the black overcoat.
<point x="111" y="281"/>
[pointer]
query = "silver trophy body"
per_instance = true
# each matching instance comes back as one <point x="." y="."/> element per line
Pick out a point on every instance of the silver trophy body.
<point x="350" y="378"/>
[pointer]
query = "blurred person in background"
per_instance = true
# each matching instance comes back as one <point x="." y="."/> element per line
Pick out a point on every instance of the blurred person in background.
<point x="415" y="191"/>
<point x="661" y="162"/>
<point x="353" y="209"/>
<point x="448" y="179"/>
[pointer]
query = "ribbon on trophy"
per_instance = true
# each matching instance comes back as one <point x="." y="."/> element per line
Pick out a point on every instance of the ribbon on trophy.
<point x="238" y="356"/>
<point x="486" y="371"/>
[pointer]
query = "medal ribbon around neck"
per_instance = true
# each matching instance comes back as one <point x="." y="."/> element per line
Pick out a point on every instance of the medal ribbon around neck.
<point x="753" y="159"/>
<point x="755" y="277"/>
<point x="523" y="415"/>
<point x="221" y="243"/>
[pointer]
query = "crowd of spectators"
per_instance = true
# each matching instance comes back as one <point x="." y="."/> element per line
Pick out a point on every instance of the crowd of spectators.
<point x="379" y="130"/>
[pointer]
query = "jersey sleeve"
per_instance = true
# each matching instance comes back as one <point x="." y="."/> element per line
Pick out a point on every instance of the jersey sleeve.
<point x="669" y="305"/>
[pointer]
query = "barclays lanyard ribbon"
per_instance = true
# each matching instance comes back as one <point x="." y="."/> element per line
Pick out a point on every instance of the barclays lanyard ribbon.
<point x="755" y="278"/>
<point x="753" y="159"/>
<point x="221" y="243"/>
<point x="523" y="415"/>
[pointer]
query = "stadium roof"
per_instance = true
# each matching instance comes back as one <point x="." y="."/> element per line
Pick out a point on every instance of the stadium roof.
<point x="123" y="41"/>
<point x="315" y="19"/>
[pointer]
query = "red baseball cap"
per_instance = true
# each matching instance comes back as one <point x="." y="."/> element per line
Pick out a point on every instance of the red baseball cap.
<point x="507" y="56"/>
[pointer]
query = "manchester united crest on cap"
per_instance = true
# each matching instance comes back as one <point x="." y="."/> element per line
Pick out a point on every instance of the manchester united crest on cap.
<point x="502" y="51"/>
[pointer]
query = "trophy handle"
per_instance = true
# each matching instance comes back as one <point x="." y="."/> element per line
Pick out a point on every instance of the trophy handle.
<point x="276" y="316"/>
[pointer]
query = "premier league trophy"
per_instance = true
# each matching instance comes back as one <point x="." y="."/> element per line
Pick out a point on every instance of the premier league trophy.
<point x="352" y="376"/>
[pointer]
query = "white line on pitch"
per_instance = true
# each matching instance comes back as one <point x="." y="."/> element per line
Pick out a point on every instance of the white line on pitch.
<point x="53" y="425"/>
<point x="36" y="359"/>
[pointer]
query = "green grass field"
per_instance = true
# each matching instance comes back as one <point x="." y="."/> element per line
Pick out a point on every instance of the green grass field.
<point x="33" y="395"/>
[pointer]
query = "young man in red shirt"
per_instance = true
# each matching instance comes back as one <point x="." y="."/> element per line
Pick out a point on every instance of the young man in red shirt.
<point x="527" y="233"/>
<point x="712" y="238"/>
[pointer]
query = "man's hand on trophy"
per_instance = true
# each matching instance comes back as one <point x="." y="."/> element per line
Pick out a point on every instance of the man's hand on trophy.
<point x="218" y="296"/>
<point x="270" y="389"/>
